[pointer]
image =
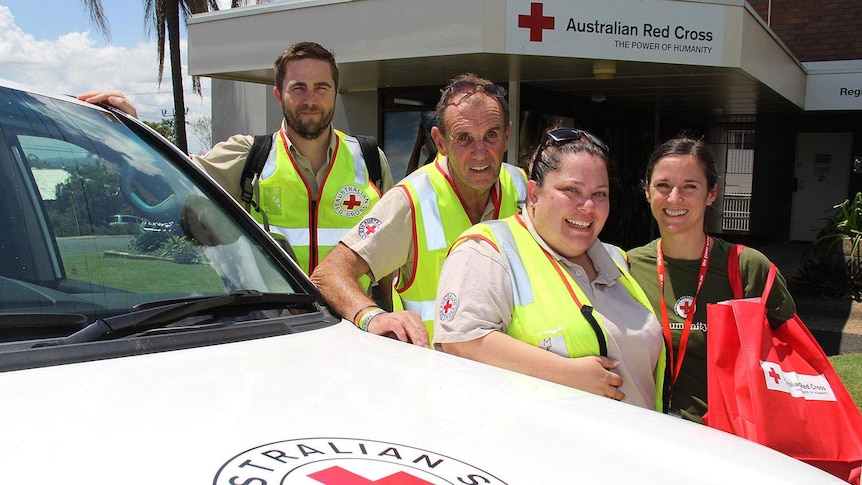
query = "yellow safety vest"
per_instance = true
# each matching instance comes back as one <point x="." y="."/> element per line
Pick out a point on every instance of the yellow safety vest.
<point x="438" y="219"/>
<point x="537" y="279"/>
<point x="314" y="228"/>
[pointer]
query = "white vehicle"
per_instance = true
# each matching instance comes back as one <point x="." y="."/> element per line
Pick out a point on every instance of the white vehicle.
<point x="219" y="363"/>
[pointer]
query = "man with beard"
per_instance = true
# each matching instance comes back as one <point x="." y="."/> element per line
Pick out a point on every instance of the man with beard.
<point x="315" y="184"/>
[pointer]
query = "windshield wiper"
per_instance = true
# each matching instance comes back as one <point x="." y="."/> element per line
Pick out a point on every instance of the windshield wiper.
<point x="157" y="316"/>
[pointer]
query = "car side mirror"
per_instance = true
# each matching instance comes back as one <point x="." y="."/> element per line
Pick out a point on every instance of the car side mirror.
<point x="206" y="224"/>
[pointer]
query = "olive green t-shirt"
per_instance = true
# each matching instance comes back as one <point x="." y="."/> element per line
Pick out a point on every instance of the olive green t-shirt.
<point x="688" y="397"/>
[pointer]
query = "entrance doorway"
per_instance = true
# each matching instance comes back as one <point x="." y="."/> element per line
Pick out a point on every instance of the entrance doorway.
<point x="822" y="172"/>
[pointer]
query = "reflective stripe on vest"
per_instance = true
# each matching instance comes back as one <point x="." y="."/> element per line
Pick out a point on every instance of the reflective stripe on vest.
<point x="559" y="327"/>
<point x="439" y="219"/>
<point x="346" y="195"/>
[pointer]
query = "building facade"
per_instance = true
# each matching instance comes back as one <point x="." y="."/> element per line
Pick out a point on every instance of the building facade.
<point x="773" y="86"/>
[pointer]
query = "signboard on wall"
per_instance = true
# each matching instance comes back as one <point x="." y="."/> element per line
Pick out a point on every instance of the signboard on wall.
<point x="834" y="86"/>
<point x="646" y="30"/>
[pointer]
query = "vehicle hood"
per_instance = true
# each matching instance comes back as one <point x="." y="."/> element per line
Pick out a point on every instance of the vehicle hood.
<point x="338" y="406"/>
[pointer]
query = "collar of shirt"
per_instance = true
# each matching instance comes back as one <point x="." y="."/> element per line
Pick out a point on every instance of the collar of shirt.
<point x="301" y="159"/>
<point x="608" y="273"/>
<point x="443" y="163"/>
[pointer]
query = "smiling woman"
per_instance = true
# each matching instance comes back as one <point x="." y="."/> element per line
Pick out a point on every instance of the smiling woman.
<point x="538" y="293"/>
<point x="685" y="269"/>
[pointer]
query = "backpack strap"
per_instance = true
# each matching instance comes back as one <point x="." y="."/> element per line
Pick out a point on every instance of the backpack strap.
<point x="368" y="145"/>
<point x="254" y="165"/>
<point x="733" y="274"/>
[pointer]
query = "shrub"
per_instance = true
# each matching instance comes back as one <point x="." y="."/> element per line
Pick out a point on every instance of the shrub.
<point x="832" y="266"/>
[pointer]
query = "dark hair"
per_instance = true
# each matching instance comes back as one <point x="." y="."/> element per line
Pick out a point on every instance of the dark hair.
<point x="467" y="83"/>
<point x="303" y="50"/>
<point x="546" y="157"/>
<point x="681" y="145"/>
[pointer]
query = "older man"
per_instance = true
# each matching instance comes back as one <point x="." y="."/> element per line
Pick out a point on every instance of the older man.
<point x="412" y="226"/>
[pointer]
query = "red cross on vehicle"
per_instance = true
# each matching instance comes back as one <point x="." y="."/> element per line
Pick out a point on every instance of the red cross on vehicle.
<point x="536" y="22"/>
<point x="339" y="476"/>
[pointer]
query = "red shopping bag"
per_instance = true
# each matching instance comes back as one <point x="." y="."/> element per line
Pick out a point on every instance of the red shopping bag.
<point x="777" y="387"/>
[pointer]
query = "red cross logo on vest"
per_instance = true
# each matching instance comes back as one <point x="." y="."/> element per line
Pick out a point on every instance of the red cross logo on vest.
<point x="537" y="22"/>
<point x="352" y="202"/>
<point x="339" y="476"/>
<point x="448" y="305"/>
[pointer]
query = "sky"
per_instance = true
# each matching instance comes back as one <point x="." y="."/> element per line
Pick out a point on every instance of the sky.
<point x="53" y="46"/>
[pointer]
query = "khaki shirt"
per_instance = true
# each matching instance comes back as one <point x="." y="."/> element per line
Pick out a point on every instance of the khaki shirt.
<point x="391" y="246"/>
<point x="475" y="272"/>
<point x="225" y="162"/>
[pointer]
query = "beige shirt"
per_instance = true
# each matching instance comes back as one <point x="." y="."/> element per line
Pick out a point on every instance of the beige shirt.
<point x="476" y="274"/>
<point x="226" y="160"/>
<point x="391" y="245"/>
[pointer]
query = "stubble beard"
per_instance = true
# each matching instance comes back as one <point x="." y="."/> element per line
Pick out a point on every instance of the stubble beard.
<point x="309" y="130"/>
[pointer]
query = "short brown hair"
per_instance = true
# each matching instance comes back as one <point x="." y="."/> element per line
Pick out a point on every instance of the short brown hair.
<point x="304" y="50"/>
<point x="471" y="80"/>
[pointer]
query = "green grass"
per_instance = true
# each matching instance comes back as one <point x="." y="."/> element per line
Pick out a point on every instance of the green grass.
<point x="849" y="368"/>
<point x="143" y="276"/>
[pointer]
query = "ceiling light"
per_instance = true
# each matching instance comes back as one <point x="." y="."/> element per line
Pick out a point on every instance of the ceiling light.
<point x="604" y="69"/>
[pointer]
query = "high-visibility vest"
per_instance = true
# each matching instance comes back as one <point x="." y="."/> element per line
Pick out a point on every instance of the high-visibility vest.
<point x="548" y="301"/>
<point x="438" y="219"/>
<point x="314" y="228"/>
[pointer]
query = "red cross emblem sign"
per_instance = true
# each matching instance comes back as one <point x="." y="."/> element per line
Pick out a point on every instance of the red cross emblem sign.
<point x="536" y="21"/>
<point x="448" y="306"/>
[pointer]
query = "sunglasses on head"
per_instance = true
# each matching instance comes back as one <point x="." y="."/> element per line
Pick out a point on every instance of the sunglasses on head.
<point x="563" y="135"/>
<point x="469" y="88"/>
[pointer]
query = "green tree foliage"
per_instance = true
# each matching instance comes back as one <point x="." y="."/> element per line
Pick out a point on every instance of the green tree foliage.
<point x="164" y="128"/>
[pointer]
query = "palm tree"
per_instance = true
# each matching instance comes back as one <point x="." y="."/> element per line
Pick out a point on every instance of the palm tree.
<point x="97" y="17"/>
<point x="164" y="16"/>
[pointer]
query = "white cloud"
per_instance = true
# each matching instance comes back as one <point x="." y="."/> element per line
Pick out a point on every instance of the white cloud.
<point x="74" y="63"/>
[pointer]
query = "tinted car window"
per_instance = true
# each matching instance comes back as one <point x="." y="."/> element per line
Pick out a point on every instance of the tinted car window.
<point x="100" y="217"/>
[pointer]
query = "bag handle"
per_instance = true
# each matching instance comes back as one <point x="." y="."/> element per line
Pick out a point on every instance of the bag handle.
<point x="735" y="278"/>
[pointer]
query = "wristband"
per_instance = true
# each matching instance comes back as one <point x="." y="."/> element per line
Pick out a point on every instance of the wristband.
<point x="368" y="316"/>
<point x="356" y="315"/>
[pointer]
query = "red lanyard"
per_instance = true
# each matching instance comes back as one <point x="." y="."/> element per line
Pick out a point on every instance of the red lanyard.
<point x="665" y="321"/>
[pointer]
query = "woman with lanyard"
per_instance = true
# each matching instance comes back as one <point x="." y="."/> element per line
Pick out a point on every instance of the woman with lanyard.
<point x="685" y="269"/>
<point x="539" y="294"/>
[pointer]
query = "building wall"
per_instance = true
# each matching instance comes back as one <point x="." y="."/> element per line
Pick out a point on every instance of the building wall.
<point x="255" y="111"/>
<point x="252" y="107"/>
<point x="816" y="30"/>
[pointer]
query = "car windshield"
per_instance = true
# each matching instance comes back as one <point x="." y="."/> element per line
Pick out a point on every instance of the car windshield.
<point x="99" y="217"/>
